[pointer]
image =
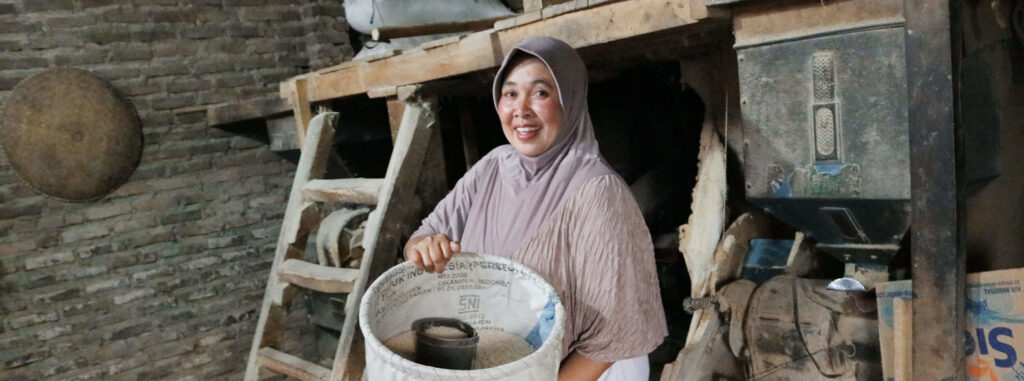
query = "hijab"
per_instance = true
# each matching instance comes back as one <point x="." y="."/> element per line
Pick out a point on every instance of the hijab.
<point x="506" y="197"/>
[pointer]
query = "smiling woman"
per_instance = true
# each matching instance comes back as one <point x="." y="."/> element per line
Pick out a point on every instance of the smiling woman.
<point x="529" y="107"/>
<point x="549" y="201"/>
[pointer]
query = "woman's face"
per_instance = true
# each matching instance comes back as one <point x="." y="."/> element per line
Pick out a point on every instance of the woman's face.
<point x="529" y="107"/>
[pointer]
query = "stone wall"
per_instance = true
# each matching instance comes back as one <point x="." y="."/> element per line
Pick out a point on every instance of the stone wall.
<point x="162" y="279"/>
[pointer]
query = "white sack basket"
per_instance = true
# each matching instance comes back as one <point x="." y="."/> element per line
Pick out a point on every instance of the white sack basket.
<point x="486" y="291"/>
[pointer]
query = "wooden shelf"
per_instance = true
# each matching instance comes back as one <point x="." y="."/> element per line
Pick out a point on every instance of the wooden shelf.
<point x="580" y="23"/>
<point x="582" y="26"/>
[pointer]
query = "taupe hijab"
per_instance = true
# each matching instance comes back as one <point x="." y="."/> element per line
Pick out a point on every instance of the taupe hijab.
<point x="506" y="197"/>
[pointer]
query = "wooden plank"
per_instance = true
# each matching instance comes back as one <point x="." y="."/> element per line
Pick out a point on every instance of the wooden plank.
<point x="763" y="22"/>
<point x="937" y="250"/>
<point x="470" y="148"/>
<point x="312" y="165"/>
<point x="299" y="100"/>
<point x="351" y="190"/>
<point x="903" y="328"/>
<point x="297" y="223"/>
<point x="245" y="110"/>
<point x="382" y="92"/>
<point x="389" y="32"/>
<point x="396" y="108"/>
<point x="190" y="109"/>
<point x="281" y="295"/>
<point x="316" y="277"/>
<point x="699" y="238"/>
<point x="292" y="366"/>
<point x="599" y="25"/>
<point x="537" y="5"/>
<point x="699" y="10"/>
<point x="441" y="42"/>
<point x="564" y="7"/>
<point x="801" y="256"/>
<point x="522" y="19"/>
<point x="717" y="3"/>
<point x="432" y="185"/>
<point x="382" y="226"/>
<point x="596" y="25"/>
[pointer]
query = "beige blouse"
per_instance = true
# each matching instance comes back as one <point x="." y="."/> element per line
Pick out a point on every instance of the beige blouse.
<point x="609" y="287"/>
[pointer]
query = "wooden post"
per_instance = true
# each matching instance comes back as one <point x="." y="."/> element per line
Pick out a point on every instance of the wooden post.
<point x="468" y="130"/>
<point x="396" y="108"/>
<point x="291" y="241"/>
<point x="432" y="181"/>
<point x="299" y="99"/>
<point x="937" y="231"/>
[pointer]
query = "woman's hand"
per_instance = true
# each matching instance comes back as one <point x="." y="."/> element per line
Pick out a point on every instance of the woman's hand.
<point x="431" y="253"/>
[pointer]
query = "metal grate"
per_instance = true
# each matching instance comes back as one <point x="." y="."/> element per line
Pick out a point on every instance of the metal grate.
<point x="824" y="107"/>
<point x="824" y="77"/>
<point x="824" y="132"/>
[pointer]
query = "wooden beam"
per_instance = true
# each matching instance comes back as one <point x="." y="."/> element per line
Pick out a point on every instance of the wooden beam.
<point x="768" y="21"/>
<point x="389" y="32"/>
<point x="316" y="277"/>
<point x="351" y="190"/>
<point x="246" y="110"/>
<point x="698" y="10"/>
<point x="298" y="97"/>
<point x="396" y="108"/>
<point x="293" y="366"/>
<point x="482" y="50"/>
<point x="537" y="5"/>
<point x="936" y="214"/>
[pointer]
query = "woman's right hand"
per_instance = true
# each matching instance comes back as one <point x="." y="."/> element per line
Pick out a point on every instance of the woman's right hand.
<point x="431" y="253"/>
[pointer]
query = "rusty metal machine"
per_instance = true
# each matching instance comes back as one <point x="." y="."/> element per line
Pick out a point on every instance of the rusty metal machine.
<point x="826" y="148"/>
<point x="831" y="141"/>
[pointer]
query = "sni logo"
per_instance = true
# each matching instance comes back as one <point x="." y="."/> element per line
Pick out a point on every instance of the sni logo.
<point x="469" y="303"/>
<point x="995" y="341"/>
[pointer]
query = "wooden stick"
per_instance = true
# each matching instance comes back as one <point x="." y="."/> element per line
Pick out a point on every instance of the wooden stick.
<point x="389" y="32"/>
<point x="903" y="328"/>
<point x="299" y="99"/>
<point x="468" y="129"/>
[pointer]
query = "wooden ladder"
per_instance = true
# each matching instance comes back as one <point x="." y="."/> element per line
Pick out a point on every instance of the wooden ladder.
<point x="392" y="196"/>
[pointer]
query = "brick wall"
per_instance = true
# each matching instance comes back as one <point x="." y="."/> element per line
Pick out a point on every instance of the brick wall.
<point x="162" y="279"/>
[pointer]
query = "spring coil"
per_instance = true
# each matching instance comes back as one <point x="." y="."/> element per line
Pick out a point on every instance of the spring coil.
<point x="694" y="304"/>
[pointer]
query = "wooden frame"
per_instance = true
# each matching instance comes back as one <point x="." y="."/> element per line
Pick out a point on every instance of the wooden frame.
<point x="937" y="250"/>
<point x="580" y="27"/>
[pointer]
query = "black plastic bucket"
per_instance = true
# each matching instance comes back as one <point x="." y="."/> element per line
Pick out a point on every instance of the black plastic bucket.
<point x="441" y="352"/>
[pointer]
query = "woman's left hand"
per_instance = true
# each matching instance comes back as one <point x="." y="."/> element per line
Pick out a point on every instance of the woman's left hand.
<point x="431" y="253"/>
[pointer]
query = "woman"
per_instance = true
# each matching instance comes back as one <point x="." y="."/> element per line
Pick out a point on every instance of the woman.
<point x="549" y="201"/>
